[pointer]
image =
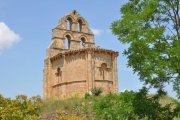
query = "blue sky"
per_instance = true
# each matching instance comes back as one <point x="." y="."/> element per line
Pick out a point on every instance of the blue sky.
<point x="28" y="25"/>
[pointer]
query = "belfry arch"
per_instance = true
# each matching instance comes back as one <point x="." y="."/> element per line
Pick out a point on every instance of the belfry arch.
<point x="80" y="23"/>
<point x="83" y="41"/>
<point x="69" y="24"/>
<point x="76" y="26"/>
<point x="67" y="42"/>
<point x="69" y="21"/>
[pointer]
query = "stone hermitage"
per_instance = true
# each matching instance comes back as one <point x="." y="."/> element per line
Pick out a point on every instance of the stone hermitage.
<point x="74" y="64"/>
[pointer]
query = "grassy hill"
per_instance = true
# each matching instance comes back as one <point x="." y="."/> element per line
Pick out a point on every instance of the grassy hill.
<point x="127" y="105"/>
<point x="77" y="108"/>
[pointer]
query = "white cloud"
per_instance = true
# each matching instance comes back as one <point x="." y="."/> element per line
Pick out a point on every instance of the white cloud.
<point x="97" y="31"/>
<point x="7" y="36"/>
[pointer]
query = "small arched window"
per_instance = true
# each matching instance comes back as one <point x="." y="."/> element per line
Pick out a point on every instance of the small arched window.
<point x="67" y="42"/>
<point x="82" y="42"/>
<point x="58" y="71"/>
<point x="79" y="25"/>
<point x="69" y="23"/>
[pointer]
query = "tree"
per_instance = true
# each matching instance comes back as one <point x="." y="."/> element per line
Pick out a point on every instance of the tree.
<point x="115" y="107"/>
<point x="131" y="105"/>
<point x="20" y="108"/>
<point x="152" y="29"/>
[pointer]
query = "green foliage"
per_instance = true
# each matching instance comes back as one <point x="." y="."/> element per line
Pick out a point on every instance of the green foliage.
<point x="114" y="107"/>
<point x="96" y="91"/>
<point x="20" y="108"/>
<point x="133" y="106"/>
<point x="127" y="105"/>
<point x="151" y="107"/>
<point x="87" y="95"/>
<point x="152" y="29"/>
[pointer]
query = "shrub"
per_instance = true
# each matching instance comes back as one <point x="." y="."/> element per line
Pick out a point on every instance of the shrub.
<point x="87" y="95"/>
<point x="115" y="107"/>
<point x="20" y="108"/>
<point x="131" y="105"/>
<point x="96" y="91"/>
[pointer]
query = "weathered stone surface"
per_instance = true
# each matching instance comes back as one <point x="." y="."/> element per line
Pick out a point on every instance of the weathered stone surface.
<point x="81" y="66"/>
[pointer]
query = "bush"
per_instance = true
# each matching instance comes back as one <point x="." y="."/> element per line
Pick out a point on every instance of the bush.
<point x="20" y="108"/>
<point x="87" y="95"/>
<point x="96" y="91"/>
<point x="131" y="105"/>
<point x="115" y="107"/>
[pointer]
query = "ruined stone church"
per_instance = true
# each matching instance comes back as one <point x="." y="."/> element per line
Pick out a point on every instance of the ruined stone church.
<point x="74" y="64"/>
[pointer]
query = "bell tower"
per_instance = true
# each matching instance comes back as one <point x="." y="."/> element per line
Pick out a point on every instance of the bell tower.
<point x="71" y="33"/>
